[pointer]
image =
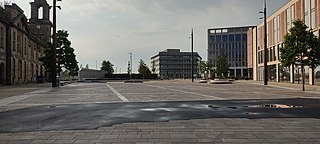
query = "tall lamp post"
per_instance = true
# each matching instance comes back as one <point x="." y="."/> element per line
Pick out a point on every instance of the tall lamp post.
<point x="54" y="44"/>
<point x="265" y="63"/>
<point x="192" y="78"/>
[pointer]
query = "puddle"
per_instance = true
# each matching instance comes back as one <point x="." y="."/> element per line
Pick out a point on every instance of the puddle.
<point x="281" y="106"/>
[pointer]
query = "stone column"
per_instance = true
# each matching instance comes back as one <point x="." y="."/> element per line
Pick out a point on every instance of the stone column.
<point x="311" y="76"/>
<point x="277" y="73"/>
<point x="292" y="73"/>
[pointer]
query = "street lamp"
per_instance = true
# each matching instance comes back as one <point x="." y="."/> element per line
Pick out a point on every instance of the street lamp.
<point x="192" y="79"/>
<point x="54" y="44"/>
<point x="265" y="43"/>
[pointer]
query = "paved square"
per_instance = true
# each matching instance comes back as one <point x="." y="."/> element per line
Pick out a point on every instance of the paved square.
<point x="212" y="130"/>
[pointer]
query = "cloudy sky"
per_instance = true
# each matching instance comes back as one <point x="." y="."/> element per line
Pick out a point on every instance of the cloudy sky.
<point x="110" y="29"/>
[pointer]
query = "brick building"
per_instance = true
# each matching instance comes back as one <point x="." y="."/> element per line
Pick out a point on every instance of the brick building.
<point x="278" y="24"/>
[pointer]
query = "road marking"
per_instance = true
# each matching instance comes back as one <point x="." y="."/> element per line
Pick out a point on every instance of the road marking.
<point x="119" y="95"/>
<point x="217" y="98"/>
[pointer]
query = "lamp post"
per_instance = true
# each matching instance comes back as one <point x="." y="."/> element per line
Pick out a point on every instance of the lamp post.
<point x="265" y="63"/>
<point x="192" y="79"/>
<point x="54" y="44"/>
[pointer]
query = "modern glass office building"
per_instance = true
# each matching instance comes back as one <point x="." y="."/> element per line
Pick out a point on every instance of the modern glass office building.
<point x="232" y="42"/>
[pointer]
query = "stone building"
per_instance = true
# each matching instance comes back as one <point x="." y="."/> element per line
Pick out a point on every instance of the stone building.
<point x="172" y="63"/>
<point x="23" y="42"/>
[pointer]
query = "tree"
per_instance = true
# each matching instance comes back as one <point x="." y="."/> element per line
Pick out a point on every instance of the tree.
<point x="66" y="59"/>
<point x="143" y="69"/>
<point x="205" y="68"/>
<point x="222" y="65"/>
<point x="107" y="66"/>
<point x="301" y="48"/>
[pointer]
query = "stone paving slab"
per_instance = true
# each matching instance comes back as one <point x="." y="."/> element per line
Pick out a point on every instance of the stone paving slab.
<point x="224" y="130"/>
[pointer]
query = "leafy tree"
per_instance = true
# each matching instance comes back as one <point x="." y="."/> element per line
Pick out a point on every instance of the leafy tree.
<point x="66" y="58"/>
<point x="301" y="48"/>
<point x="107" y="66"/>
<point x="205" y="68"/>
<point x="143" y="69"/>
<point x="222" y="65"/>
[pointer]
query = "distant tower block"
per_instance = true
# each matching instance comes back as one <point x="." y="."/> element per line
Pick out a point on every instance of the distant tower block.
<point x="40" y="26"/>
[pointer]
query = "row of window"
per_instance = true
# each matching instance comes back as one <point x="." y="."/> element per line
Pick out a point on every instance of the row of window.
<point x="273" y="54"/>
<point x="308" y="9"/>
<point x="177" y="65"/>
<point x="229" y="46"/>
<point x="20" y="45"/>
<point x="242" y="62"/>
<point x="228" y="38"/>
<point x="228" y="54"/>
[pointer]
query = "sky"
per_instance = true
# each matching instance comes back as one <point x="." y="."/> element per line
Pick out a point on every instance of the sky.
<point x="111" y="29"/>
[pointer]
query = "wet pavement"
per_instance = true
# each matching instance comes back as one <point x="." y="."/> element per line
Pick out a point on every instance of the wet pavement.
<point x="93" y="116"/>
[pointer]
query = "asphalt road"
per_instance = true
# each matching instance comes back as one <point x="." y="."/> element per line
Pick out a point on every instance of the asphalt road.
<point x="95" y="115"/>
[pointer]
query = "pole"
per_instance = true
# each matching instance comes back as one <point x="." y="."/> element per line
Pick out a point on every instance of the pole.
<point x="192" y="56"/>
<point x="130" y="64"/>
<point x="54" y="46"/>
<point x="265" y="44"/>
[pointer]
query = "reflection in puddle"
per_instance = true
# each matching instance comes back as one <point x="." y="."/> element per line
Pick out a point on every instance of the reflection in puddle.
<point x="251" y="113"/>
<point x="283" y="106"/>
<point x="200" y="106"/>
<point x="159" y="109"/>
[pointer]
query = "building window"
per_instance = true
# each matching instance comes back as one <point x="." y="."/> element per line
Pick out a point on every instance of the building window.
<point x="275" y="30"/>
<point x="224" y="38"/>
<point x="2" y="38"/>
<point x="238" y="37"/>
<point x="288" y="19"/>
<point x="231" y="38"/>
<point x="292" y="13"/>
<point x="218" y="38"/>
<point x="14" y="41"/>
<point x="306" y="12"/>
<point x="244" y="37"/>
<point x="278" y="28"/>
<point x="313" y="14"/>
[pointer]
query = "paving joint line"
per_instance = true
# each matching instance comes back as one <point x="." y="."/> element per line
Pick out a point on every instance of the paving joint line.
<point x="217" y="98"/>
<point x="119" y="95"/>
